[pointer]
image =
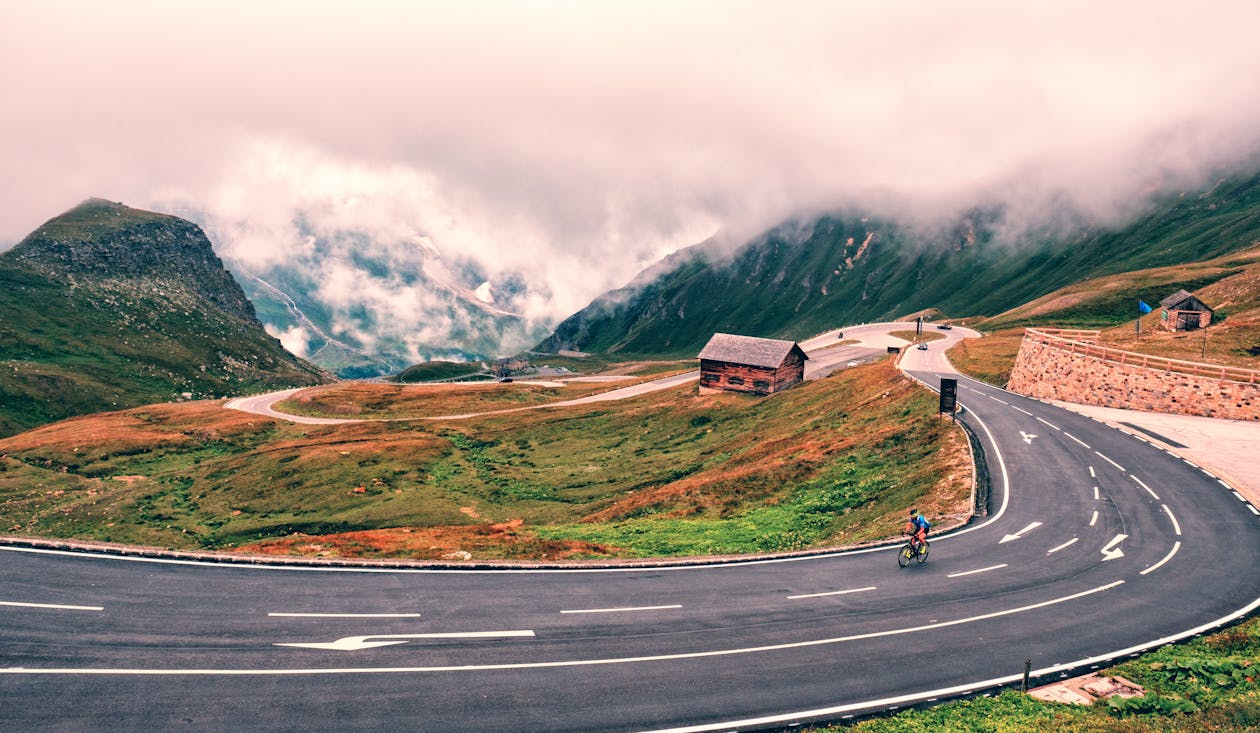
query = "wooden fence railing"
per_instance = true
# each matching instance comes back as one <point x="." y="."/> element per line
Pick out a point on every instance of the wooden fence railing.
<point x="1060" y="339"/>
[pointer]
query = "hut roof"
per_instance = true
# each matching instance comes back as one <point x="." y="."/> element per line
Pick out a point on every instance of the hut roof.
<point x="1180" y="298"/>
<point x="769" y="353"/>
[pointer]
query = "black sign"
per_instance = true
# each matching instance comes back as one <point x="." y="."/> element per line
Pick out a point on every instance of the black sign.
<point x="949" y="395"/>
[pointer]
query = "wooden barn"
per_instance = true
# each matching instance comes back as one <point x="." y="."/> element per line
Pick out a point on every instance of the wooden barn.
<point x="747" y="364"/>
<point x="1184" y="312"/>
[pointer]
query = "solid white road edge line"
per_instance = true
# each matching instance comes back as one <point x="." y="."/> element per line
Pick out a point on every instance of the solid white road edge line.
<point x="962" y="689"/>
<point x="833" y="593"/>
<point x="53" y="606"/>
<point x="622" y="610"/>
<point x="1176" y="546"/>
<point x="570" y="663"/>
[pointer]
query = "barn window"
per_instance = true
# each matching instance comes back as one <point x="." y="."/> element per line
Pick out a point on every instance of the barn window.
<point x="735" y="380"/>
<point x="760" y="384"/>
<point x="710" y="378"/>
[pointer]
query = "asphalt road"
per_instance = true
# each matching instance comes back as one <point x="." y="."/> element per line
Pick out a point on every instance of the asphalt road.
<point x="1099" y="545"/>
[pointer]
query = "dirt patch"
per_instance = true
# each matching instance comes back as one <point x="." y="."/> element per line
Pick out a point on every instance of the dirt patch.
<point x="505" y="540"/>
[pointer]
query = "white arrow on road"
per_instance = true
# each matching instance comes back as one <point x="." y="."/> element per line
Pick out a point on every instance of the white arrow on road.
<point x="1110" y="554"/>
<point x="355" y="643"/>
<point x="1027" y="437"/>
<point x="1020" y="533"/>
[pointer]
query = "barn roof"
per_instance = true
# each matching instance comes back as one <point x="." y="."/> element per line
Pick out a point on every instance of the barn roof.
<point x="1179" y="298"/>
<point x="769" y="353"/>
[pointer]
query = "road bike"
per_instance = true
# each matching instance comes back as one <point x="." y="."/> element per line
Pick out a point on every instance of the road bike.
<point x="912" y="550"/>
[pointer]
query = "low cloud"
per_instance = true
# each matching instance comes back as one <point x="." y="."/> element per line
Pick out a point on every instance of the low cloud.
<point x="565" y="146"/>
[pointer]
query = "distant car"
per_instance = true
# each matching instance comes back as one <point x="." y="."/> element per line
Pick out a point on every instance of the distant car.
<point x="944" y="326"/>
<point x="922" y="347"/>
<point x="505" y="379"/>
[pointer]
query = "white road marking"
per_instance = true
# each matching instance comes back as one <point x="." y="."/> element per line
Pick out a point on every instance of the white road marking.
<point x="621" y="610"/>
<point x="833" y="593"/>
<point x="1176" y="546"/>
<point x="1078" y="440"/>
<point x="1111" y="550"/>
<point x="567" y="663"/>
<point x="1108" y="460"/>
<point x="1069" y="543"/>
<point x="1020" y="533"/>
<point x="1052" y="425"/>
<point x="1148" y="489"/>
<point x="1095" y="493"/>
<point x="1094" y="519"/>
<point x="1091" y="472"/>
<point x="1222" y="483"/>
<point x="1176" y="526"/>
<point x="978" y="570"/>
<point x="997" y="400"/>
<point x="1208" y="473"/>
<point x="1026" y="412"/>
<point x="1253" y="510"/>
<point x="1240" y="496"/>
<point x="52" y="606"/>
<point x="345" y="615"/>
<point x="1028" y="437"/>
<point x="357" y="643"/>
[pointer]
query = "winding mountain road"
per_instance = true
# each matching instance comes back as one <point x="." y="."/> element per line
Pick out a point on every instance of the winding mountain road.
<point x="1099" y="545"/>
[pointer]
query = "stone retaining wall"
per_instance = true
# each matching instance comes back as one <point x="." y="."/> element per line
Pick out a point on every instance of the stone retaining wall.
<point x="1049" y="367"/>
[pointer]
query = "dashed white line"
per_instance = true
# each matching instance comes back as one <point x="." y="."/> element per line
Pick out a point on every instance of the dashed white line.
<point x="1050" y="424"/>
<point x="978" y="570"/>
<point x="1091" y="472"/>
<point x="1176" y="526"/>
<point x="625" y="609"/>
<point x="1096" y="493"/>
<point x="52" y="606"/>
<point x="998" y="401"/>
<point x="1069" y="543"/>
<point x="1078" y="440"/>
<point x="1238" y="495"/>
<point x="1108" y="460"/>
<point x="1222" y="483"/>
<point x="1026" y="412"/>
<point x="1094" y="519"/>
<point x="1253" y="509"/>
<point x="1176" y="546"/>
<point x="343" y="615"/>
<point x="1148" y="489"/>
<point x="833" y="593"/>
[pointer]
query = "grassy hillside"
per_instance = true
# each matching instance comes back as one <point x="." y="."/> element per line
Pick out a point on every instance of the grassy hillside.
<point x="799" y="280"/>
<point x="1230" y="284"/>
<point x="108" y="307"/>
<point x="668" y="473"/>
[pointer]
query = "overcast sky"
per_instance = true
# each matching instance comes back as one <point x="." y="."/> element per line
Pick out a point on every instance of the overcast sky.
<point x="577" y="142"/>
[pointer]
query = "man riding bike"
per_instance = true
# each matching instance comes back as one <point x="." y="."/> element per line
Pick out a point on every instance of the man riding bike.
<point x="917" y="527"/>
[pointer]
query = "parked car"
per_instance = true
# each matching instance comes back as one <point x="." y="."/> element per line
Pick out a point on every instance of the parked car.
<point x="944" y="326"/>
<point x="922" y="347"/>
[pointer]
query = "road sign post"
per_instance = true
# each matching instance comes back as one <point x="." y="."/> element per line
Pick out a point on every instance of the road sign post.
<point x="949" y="395"/>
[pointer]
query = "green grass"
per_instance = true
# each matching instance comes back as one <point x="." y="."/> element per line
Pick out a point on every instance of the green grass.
<point x="1208" y="684"/>
<point x="754" y="473"/>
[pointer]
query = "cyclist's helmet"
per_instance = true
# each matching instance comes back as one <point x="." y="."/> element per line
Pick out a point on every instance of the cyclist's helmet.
<point x="914" y="512"/>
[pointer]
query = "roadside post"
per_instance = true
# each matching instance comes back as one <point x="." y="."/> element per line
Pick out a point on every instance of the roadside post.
<point x="949" y="395"/>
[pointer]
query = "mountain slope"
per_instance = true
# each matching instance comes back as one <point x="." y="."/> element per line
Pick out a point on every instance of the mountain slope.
<point x="800" y="279"/>
<point x="106" y="307"/>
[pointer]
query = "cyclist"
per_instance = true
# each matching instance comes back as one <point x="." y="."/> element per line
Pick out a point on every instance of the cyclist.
<point x="917" y="527"/>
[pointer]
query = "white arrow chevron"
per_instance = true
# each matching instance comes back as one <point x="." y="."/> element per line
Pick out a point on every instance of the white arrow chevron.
<point x="1110" y="554"/>
<point x="1028" y="437"/>
<point x="355" y="643"/>
<point x="1020" y="533"/>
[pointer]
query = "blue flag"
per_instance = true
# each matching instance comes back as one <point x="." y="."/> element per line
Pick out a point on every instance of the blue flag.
<point x="1142" y="306"/>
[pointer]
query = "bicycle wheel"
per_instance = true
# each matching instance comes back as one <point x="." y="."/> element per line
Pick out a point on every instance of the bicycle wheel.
<point x="923" y="551"/>
<point x="905" y="555"/>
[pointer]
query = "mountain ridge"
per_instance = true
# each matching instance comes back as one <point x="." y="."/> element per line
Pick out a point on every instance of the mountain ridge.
<point x="105" y="307"/>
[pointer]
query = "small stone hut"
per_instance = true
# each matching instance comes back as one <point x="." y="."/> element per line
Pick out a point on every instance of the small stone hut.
<point x="1181" y="311"/>
<point x="748" y="364"/>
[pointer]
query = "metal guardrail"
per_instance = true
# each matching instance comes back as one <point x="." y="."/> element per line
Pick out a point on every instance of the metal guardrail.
<point x="1059" y="339"/>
